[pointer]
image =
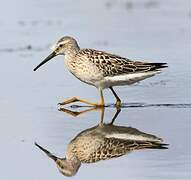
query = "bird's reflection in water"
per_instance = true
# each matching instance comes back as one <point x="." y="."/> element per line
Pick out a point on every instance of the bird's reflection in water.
<point x="101" y="142"/>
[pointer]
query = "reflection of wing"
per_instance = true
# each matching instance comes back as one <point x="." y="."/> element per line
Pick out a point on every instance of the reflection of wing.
<point x="112" y="147"/>
<point x="112" y="65"/>
<point x="128" y="133"/>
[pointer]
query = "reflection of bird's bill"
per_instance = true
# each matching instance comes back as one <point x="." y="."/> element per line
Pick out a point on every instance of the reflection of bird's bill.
<point x="52" y="55"/>
<point x="49" y="154"/>
<point x="112" y="140"/>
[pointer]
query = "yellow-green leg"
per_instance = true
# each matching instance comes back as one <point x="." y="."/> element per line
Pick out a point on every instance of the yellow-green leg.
<point x="102" y="103"/>
<point x="76" y="99"/>
<point x="118" y="100"/>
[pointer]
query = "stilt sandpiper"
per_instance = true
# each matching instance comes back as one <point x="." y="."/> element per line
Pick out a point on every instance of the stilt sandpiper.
<point x="101" y="69"/>
<point x="102" y="142"/>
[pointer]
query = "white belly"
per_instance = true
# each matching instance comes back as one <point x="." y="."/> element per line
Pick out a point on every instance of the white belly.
<point x="125" y="79"/>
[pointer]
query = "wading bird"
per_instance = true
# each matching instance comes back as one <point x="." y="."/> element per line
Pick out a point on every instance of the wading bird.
<point x="101" y="69"/>
<point x="103" y="142"/>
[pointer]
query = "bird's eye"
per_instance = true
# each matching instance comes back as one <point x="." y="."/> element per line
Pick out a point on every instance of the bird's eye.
<point x="60" y="45"/>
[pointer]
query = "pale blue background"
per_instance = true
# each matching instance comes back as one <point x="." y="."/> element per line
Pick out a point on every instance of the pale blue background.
<point x="154" y="30"/>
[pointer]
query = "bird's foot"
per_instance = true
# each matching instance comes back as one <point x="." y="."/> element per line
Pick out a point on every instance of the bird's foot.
<point x="118" y="104"/>
<point x="71" y="100"/>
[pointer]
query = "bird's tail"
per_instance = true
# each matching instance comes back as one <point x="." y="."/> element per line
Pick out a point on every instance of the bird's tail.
<point x="157" y="66"/>
<point x="156" y="145"/>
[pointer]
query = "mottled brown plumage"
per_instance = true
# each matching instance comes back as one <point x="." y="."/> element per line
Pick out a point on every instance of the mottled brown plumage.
<point x="103" y="142"/>
<point x="101" y="69"/>
<point x="111" y="65"/>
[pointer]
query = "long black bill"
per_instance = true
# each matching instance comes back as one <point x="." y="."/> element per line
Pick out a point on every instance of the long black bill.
<point x="53" y="54"/>
<point x="46" y="152"/>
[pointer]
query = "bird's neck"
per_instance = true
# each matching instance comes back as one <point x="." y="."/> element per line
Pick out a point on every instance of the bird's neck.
<point x="72" y="51"/>
<point x="71" y="166"/>
<point x="74" y="163"/>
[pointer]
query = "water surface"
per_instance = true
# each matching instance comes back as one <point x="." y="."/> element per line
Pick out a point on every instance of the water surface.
<point x="143" y="30"/>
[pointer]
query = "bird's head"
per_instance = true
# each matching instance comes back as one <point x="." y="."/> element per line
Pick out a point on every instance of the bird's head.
<point x="66" y="167"/>
<point x="65" y="45"/>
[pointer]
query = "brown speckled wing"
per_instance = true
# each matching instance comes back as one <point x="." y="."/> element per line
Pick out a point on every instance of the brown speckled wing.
<point x="112" y="65"/>
<point x="112" y="147"/>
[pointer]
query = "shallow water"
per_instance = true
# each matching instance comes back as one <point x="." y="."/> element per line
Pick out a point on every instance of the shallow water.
<point x="156" y="30"/>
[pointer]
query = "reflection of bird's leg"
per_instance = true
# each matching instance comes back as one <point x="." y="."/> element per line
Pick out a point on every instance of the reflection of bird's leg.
<point x="118" y="100"/>
<point x="75" y="99"/>
<point x="113" y="119"/>
<point x="102" y="103"/>
<point x="102" y="116"/>
<point x="115" y="116"/>
<point x="77" y="113"/>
